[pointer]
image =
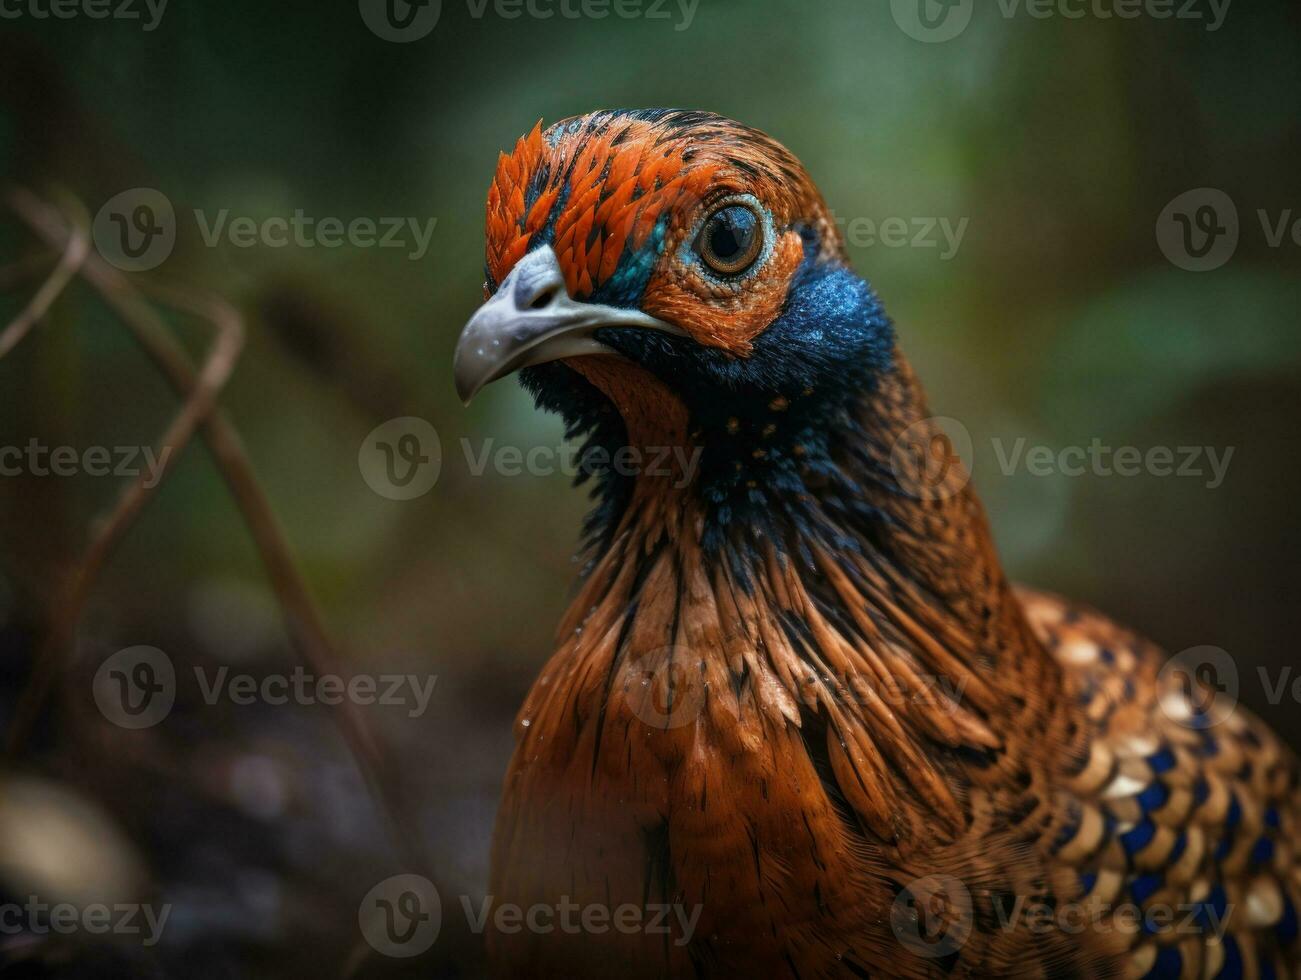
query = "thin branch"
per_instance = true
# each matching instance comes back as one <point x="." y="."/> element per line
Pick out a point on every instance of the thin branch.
<point x="74" y="254"/>
<point x="303" y="620"/>
<point x="109" y="531"/>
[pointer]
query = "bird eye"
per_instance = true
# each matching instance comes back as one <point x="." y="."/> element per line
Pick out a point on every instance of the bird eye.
<point x="731" y="240"/>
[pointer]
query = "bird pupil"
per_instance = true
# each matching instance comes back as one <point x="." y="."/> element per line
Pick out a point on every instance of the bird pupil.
<point x="732" y="233"/>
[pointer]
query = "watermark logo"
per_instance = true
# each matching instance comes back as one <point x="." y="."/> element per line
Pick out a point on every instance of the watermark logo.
<point x="401" y="21"/>
<point x="943" y="234"/>
<point x="135" y="230"/>
<point x="1280" y="228"/>
<point x="39" y="918"/>
<point x="1198" y="231"/>
<point x="667" y="687"/>
<point x="401" y="916"/>
<point x="592" y="919"/>
<point x="412" y="691"/>
<point x="40" y="460"/>
<point x="1208" y="463"/>
<point x="674" y="463"/>
<point x="1198" y="687"/>
<point x="937" y="21"/>
<point x="401" y="459"/>
<point x="1044" y="915"/>
<point x="932" y="21"/>
<point x="136" y="687"/>
<point x="303" y="231"/>
<point x="932" y="458"/>
<point x="932" y="916"/>
<point x="589" y="9"/>
<point x="148" y="12"/>
<point x="1278" y="687"/>
<point x="1212" y="12"/>
<point x="404" y="21"/>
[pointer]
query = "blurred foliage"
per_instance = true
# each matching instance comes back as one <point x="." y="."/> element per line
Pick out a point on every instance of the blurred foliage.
<point x="1060" y="141"/>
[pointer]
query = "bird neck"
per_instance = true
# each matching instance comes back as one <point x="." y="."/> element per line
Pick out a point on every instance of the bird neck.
<point x="878" y="478"/>
<point x="867" y="598"/>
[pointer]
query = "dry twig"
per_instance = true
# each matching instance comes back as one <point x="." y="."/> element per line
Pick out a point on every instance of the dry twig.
<point x="67" y="609"/>
<point x="74" y="253"/>
<point x="303" y="619"/>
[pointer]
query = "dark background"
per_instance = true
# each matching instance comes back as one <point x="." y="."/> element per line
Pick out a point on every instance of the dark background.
<point x="1060" y="142"/>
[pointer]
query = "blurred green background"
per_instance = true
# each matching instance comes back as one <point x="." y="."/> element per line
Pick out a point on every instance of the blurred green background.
<point x="1057" y="141"/>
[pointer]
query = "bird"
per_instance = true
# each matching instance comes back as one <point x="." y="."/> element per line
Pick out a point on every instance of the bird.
<point x="798" y="722"/>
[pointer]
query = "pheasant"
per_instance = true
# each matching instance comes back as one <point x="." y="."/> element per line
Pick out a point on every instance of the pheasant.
<point x="795" y="700"/>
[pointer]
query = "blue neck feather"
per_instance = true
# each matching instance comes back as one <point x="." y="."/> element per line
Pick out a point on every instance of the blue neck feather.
<point x="776" y="428"/>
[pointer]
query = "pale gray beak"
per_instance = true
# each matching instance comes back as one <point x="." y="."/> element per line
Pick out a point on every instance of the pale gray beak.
<point x="532" y="320"/>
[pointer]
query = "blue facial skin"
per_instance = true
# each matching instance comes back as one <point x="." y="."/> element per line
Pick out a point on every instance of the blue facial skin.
<point x="771" y="426"/>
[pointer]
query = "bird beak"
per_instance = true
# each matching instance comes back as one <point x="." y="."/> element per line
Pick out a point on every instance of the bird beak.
<point x="531" y="320"/>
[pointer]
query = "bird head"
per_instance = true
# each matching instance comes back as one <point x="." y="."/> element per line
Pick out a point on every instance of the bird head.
<point x="664" y="265"/>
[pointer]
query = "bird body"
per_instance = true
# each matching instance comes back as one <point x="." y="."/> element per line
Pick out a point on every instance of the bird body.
<point x="798" y="723"/>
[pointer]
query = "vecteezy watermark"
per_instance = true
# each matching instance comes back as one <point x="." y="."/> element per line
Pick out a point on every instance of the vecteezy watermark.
<point x="136" y="230"/>
<point x="38" y="918"/>
<point x="136" y="688"/>
<point x="301" y="231"/>
<point x="38" y="459"/>
<point x="1278" y="687"/>
<point x="412" y="691"/>
<point x="1041" y="915"/>
<point x="932" y="21"/>
<point x="148" y="12"/>
<point x="665" y="688"/>
<point x="676" y="463"/>
<point x="588" y="918"/>
<point x="685" y="10"/>
<point x="943" y="234"/>
<point x="402" y="917"/>
<point x="934" y="459"/>
<point x="937" y="21"/>
<point x="1198" y="687"/>
<point x="402" y="459"/>
<point x="404" y="21"/>
<point x="400" y="21"/>
<point x="1200" y="230"/>
<point x="1210" y="12"/>
<point x="932" y="916"/>
<point x="1098" y="459"/>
